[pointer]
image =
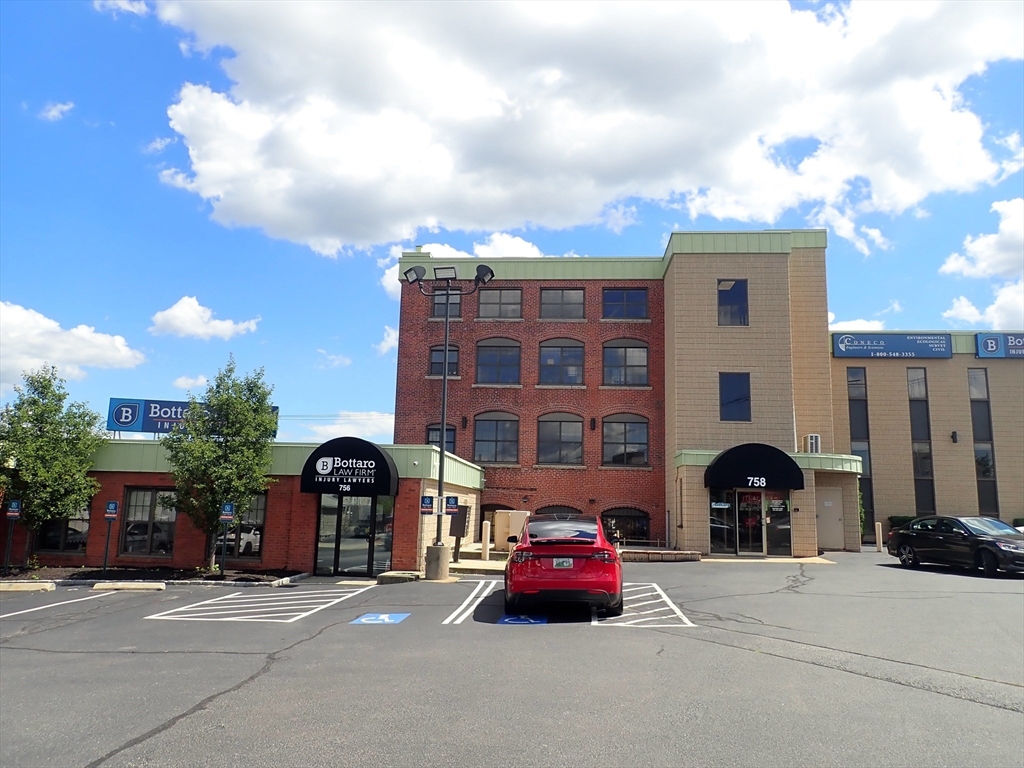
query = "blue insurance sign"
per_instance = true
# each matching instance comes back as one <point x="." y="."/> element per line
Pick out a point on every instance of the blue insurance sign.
<point x="892" y="345"/>
<point x="125" y="415"/>
<point x="1000" y="344"/>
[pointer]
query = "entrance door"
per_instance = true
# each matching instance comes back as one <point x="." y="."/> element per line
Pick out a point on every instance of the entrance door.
<point x="778" y="529"/>
<point x="830" y="517"/>
<point x="353" y="535"/>
<point x="750" y="523"/>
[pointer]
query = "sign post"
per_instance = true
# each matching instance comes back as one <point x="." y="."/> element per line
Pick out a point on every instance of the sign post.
<point x="227" y="516"/>
<point x="13" y="513"/>
<point x="110" y="515"/>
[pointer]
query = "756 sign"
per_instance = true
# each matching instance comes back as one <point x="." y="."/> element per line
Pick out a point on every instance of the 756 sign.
<point x="756" y="482"/>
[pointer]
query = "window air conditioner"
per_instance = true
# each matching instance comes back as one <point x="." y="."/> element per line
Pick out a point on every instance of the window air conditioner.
<point x="812" y="443"/>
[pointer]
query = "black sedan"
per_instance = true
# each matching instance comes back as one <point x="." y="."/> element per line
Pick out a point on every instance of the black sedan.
<point x="971" y="542"/>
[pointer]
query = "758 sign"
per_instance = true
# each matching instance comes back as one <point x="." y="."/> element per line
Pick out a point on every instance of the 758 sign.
<point x="755" y="482"/>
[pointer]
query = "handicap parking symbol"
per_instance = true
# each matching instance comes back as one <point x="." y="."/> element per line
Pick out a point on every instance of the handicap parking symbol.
<point x="380" y="618"/>
<point x="523" y="620"/>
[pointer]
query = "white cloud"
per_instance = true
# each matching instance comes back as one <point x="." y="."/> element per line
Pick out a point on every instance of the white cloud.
<point x="1005" y="313"/>
<point x="134" y="7"/>
<point x="349" y="124"/>
<point x="854" y="325"/>
<point x="56" y="111"/>
<point x="367" y="425"/>
<point x="333" y="361"/>
<point x="29" y="339"/>
<point x="391" y="282"/>
<point x="894" y="306"/>
<point x="184" y="382"/>
<point x="618" y="217"/>
<point x="996" y="255"/>
<point x="158" y="145"/>
<point x="389" y="342"/>
<point x="187" y="317"/>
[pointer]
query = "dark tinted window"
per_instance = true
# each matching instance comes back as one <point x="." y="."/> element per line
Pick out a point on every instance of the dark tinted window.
<point x="856" y="383"/>
<point x="984" y="460"/>
<point x="988" y="501"/>
<point x="580" y="528"/>
<point x="434" y="437"/>
<point x="924" y="495"/>
<point x="497" y="364"/>
<point x="496" y="438"/>
<point x="858" y="419"/>
<point x="625" y="303"/>
<point x="625" y="366"/>
<point x="919" y="429"/>
<point x="454" y="305"/>
<point x="560" y="440"/>
<point x="437" y="361"/>
<point x="561" y="362"/>
<point x="734" y="396"/>
<point x="732" y="302"/>
<point x="624" y="440"/>
<point x="981" y="421"/>
<point x="922" y="459"/>
<point x="506" y="302"/>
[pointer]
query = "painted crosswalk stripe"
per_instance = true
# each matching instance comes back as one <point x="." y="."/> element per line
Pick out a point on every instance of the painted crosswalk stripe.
<point x="667" y="614"/>
<point x="480" y="592"/>
<point x="279" y="609"/>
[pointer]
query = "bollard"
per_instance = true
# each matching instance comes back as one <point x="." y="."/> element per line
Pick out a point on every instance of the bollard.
<point x="485" y="541"/>
<point x="438" y="558"/>
<point x="878" y="537"/>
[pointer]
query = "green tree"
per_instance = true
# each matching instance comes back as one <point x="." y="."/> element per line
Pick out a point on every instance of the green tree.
<point x="46" y="449"/>
<point x="221" y="451"/>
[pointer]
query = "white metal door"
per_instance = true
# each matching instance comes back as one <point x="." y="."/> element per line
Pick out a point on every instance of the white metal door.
<point x="830" y="518"/>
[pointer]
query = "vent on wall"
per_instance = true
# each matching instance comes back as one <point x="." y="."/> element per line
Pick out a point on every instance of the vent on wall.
<point x="812" y="443"/>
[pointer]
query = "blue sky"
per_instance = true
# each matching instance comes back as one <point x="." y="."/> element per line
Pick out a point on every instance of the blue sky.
<point x="181" y="182"/>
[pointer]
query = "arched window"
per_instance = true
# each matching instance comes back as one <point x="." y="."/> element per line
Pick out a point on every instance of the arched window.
<point x="437" y="361"/>
<point x="561" y="361"/>
<point x="558" y="510"/>
<point x="560" y="439"/>
<point x="625" y="363"/>
<point x="627" y="523"/>
<point x="496" y="438"/>
<point x="625" y="440"/>
<point x="434" y="437"/>
<point x="497" y="361"/>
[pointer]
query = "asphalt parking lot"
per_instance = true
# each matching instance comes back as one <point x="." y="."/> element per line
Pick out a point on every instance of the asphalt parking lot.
<point x="712" y="663"/>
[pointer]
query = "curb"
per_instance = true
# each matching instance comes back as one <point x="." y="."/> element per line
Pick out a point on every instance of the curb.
<point x="174" y="583"/>
<point x="130" y="586"/>
<point x="398" y="577"/>
<point x="27" y="586"/>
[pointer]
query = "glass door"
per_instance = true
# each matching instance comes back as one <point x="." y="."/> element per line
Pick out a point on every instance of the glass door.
<point x="777" y="523"/>
<point x="355" y="535"/>
<point x="327" y="536"/>
<point x="723" y="523"/>
<point x="382" y="529"/>
<point x="750" y="523"/>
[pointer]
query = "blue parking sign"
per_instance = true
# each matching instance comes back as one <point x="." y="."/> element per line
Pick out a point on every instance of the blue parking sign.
<point x="111" y="513"/>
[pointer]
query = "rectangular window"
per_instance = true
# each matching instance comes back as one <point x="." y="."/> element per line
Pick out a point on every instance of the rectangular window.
<point x="455" y="304"/>
<point x="561" y="365"/>
<point x="245" y="537"/>
<point x="924" y="497"/>
<point x="67" y="535"/>
<point x="984" y="452"/>
<point x="625" y="366"/>
<point x="434" y="437"/>
<point x="977" y="383"/>
<point x="920" y="428"/>
<point x="620" y="303"/>
<point x="148" y="524"/>
<point x="497" y="365"/>
<point x="922" y="460"/>
<point x="859" y="420"/>
<point x="501" y="303"/>
<point x="437" y="361"/>
<point x="981" y="421"/>
<point x="924" y="485"/>
<point x="624" y="442"/>
<point x="560" y="442"/>
<point x="732" y="302"/>
<point x="561" y="303"/>
<point x="857" y="383"/>
<point x="734" y="396"/>
<point x="917" y="384"/>
<point x="496" y="440"/>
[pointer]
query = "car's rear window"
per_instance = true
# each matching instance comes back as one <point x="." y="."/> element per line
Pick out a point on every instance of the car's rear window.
<point x="562" y="529"/>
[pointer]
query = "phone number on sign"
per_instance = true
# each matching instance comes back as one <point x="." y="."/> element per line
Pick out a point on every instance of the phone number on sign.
<point x="894" y="354"/>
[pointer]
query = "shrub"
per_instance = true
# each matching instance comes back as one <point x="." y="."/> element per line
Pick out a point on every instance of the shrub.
<point x="895" y="521"/>
<point x="1018" y="521"/>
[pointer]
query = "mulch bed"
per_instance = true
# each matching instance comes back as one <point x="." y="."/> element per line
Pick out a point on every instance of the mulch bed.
<point x="49" y="573"/>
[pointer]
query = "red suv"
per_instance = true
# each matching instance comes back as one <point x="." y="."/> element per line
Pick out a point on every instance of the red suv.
<point x="563" y="558"/>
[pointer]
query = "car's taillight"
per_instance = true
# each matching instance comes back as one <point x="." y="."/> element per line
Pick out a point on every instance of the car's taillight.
<point x="892" y="533"/>
<point x="605" y="556"/>
<point x="521" y="556"/>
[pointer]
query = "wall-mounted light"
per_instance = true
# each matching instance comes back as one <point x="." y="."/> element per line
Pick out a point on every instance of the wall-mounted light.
<point x="415" y="274"/>
<point x="444" y="273"/>
<point x="465" y="421"/>
<point x="954" y="437"/>
<point x="593" y="424"/>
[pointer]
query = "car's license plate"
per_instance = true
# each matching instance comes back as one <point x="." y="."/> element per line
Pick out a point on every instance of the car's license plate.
<point x="563" y="562"/>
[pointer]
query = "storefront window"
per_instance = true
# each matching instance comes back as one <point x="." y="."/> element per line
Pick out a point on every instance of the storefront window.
<point x="64" y="535"/>
<point x="723" y="523"/>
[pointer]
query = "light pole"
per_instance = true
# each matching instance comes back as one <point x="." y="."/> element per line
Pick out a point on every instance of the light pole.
<point x="442" y="284"/>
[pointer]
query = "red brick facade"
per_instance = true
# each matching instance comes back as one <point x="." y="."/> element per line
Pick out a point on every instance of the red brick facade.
<point x="592" y="488"/>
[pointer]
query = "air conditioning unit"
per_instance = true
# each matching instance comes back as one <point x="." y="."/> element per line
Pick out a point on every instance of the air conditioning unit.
<point x="812" y="443"/>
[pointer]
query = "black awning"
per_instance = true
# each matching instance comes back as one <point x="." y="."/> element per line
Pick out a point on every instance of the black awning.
<point x="349" y="466"/>
<point x="754" y="465"/>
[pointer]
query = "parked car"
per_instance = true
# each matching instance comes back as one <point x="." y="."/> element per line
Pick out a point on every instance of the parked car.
<point x="246" y="536"/>
<point x="563" y="558"/>
<point x="971" y="542"/>
<point x="136" y="539"/>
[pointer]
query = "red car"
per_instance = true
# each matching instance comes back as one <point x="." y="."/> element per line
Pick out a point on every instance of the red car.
<point x="563" y="558"/>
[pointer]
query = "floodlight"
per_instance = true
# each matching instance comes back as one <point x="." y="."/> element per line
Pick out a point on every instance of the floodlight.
<point x="415" y="274"/>
<point x="445" y="273"/>
<point x="484" y="275"/>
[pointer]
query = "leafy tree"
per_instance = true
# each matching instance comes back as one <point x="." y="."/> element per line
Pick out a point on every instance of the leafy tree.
<point x="46" y="449"/>
<point x="221" y="451"/>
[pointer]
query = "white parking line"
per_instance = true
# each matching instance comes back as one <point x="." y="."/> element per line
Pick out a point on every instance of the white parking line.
<point x="54" y="605"/>
<point x="480" y="591"/>
<point x="278" y="609"/>
<point x="631" y="617"/>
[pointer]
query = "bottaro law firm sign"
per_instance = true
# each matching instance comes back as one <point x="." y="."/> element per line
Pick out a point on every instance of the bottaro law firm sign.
<point x="1000" y="344"/>
<point x="351" y="467"/>
<point x="892" y="345"/>
<point x="126" y="415"/>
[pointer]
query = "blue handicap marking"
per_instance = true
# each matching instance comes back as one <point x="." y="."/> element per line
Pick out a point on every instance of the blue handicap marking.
<point x="523" y="620"/>
<point x="380" y="618"/>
